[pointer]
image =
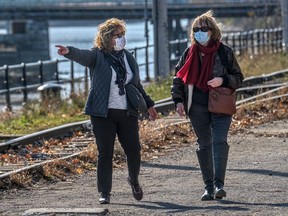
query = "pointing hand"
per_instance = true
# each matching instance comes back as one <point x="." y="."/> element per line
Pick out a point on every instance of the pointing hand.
<point x="62" y="50"/>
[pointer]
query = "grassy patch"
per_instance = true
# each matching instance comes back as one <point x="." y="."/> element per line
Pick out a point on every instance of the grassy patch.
<point x="262" y="64"/>
<point x="37" y="116"/>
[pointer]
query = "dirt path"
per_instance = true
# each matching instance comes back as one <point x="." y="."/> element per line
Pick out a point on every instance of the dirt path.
<point x="256" y="183"/>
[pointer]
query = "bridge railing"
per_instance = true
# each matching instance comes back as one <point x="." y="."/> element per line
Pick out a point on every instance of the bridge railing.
<point x="256" y="42"/>
<point x="21" y="79"/>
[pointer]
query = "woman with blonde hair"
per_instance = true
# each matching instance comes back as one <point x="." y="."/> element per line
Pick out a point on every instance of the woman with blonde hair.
<point x="207" y="63"/>
<point x="111" y="68"/>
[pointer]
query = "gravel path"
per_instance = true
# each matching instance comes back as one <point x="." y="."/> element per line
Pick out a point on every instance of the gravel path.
<point x="256" y="182"/>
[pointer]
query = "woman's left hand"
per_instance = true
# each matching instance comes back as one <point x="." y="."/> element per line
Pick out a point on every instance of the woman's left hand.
<point x="215" y="82"/>
<point x="152" y="113"/>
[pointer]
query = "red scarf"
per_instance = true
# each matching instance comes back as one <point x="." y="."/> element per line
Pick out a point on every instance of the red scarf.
<point x="191" y="72"/>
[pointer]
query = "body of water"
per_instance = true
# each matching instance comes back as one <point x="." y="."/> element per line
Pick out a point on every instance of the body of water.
<point x="83" y="36"/>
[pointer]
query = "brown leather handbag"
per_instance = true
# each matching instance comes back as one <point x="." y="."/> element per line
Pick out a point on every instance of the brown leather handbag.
<point x="222" y="100"/>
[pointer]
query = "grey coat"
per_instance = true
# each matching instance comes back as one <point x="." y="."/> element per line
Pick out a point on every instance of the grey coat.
<point x="100" y="79"/>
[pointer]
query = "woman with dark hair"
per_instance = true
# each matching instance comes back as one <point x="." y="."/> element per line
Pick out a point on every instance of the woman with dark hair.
<point x="111" y="68"/>
<point x="199" y="69"/>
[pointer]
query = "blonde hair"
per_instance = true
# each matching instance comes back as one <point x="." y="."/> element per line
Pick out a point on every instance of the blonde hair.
<point x="208" y="20"/>
<point x="105" y="33"/>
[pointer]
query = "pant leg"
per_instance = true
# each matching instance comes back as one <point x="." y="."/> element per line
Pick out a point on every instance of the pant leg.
<point x="104" y="130"/>
<point x="200" y="119"/>
<point x="220" y="128"/>
<point x="128" y="135"/>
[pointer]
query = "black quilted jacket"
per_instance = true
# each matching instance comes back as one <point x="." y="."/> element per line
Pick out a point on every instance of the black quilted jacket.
<point x="100" y="78"/>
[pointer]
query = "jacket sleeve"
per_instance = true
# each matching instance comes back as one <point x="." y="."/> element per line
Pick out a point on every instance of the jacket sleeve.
<point x="234" y="78"/>
<point x="84" y="57"/>
<point x="177" y="89"/>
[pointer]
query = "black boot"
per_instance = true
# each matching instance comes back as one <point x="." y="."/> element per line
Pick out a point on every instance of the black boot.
<point x="220" y="153"/>
<point x="208" y="193"/>
<point x="206" y="166"/>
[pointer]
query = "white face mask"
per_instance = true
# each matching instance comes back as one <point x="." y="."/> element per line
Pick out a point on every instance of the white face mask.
<point x="120" y="43"/>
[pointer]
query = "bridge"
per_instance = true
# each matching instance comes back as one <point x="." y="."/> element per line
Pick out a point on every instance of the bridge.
<point x="27" y="21"/>
<point x="134" y="9"/>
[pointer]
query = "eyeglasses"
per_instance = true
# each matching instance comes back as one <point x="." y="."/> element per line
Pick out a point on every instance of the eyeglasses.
<point x="119" y="35"/>
<point x="203" y="29"/>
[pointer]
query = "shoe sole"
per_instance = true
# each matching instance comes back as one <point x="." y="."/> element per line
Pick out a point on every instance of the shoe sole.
<point x="220" y="194"/>
<point x="207" y="199"/>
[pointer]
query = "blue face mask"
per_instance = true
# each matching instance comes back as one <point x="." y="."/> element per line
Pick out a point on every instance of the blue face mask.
<point x="201" y="37"/>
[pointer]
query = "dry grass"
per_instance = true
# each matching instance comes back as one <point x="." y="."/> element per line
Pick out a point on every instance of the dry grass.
<point x="262" y="64"/>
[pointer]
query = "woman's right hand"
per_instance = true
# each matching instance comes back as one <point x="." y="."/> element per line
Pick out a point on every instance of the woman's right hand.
<point x="180" y="109"/>
<point x="62" y="50"/>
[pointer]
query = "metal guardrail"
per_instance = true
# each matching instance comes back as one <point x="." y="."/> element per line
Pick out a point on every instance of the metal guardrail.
<point x="253" y="42"/>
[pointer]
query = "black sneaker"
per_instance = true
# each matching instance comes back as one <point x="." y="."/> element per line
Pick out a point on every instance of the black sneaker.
<point x="104" y="198"/>
<point x="136" y="190"/>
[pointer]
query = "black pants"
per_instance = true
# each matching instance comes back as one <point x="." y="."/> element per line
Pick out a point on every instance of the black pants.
<point x="105" y="130"/>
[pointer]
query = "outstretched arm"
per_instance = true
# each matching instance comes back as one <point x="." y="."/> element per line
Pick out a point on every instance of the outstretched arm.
<point x="84" y="57"/>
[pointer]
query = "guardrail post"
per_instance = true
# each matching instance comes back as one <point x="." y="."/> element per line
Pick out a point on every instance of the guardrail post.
<point x="277" y="40"/>
<point x="72" y="77"/>
<point x="86" y="81"/>
<point x="135" y="53"/>
<point x="233" y="42"/>
<point x="252" y="45"/>
<point x="246" y="41"/>
<point x="40" y="71"/>
<point x="147" y="63"/>
<point x="258" y="41"/>
<point x="56" y="71"/>
<point x="263" y="43"/>
<point x="8" y="102"/>
<point x="280" y="39"/>
<point x="23" y="79"/>
<point x="240" y="43"/>
<point x="270" y="40"/>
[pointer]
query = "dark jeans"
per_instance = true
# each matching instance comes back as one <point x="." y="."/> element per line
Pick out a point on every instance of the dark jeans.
<point x="210" y="128"/>
<point x="105" y="130"/>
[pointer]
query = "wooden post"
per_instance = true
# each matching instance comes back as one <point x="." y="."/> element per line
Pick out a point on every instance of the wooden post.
<point x="161" y="42"/>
